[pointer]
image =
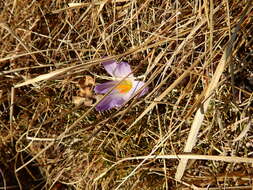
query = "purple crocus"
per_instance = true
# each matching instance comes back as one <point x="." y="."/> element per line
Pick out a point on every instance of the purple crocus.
<point x="121" y="88"/>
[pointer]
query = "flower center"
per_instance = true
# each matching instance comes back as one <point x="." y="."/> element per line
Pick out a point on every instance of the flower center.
<point x="124" y="86"/>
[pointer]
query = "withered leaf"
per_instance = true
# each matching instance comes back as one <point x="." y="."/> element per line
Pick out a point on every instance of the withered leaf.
<point x="78" y="100"/>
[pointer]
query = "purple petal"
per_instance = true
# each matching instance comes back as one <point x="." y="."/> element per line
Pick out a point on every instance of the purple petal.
<point x="110" y="66"/>
<point x="137" y="85"/>
<point x="109" y="102"/>
<point x="115" y="69"/>
<point x="104" y="87"/>
<point x="122" y="70"/>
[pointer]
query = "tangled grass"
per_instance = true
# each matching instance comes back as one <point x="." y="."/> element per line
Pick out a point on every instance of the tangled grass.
<point x="191" y="131"/>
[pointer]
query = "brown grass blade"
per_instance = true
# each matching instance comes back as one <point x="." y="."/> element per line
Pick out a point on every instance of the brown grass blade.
<point x="199" y="116"/>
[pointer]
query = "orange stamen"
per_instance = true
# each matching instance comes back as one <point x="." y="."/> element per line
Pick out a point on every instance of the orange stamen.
<point x="124" y="86"/>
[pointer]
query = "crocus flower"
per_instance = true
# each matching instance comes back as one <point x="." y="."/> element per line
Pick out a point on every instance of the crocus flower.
<point x="122" y="88"/>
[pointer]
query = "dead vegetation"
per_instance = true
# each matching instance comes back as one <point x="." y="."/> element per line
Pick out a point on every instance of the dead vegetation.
<point x="191" y="131"/>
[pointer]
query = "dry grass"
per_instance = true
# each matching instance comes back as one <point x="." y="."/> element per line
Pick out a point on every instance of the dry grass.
<point x="191" y="131"/>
